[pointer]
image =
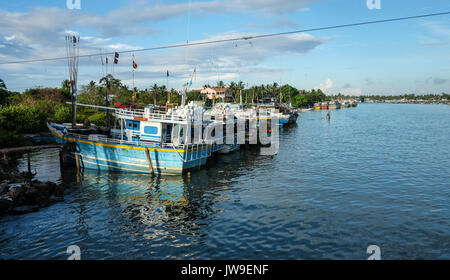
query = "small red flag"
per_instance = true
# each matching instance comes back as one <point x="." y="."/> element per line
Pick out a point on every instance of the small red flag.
<point x="134" y="65"/>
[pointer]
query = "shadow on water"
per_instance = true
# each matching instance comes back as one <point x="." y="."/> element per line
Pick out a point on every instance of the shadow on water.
<point x="160" y="209"/>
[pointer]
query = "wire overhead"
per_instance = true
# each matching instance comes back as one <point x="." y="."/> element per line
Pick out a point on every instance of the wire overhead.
<point x="188" y="44"/>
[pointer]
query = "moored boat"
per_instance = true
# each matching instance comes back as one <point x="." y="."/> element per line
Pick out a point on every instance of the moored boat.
<point x="147" y="142"/>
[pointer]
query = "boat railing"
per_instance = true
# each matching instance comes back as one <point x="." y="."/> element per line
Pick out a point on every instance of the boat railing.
<point x="106" y="140"/>
<point x="124" y="113"/>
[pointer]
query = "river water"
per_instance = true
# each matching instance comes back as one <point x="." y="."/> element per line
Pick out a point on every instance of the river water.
<point x="377" y="174"/>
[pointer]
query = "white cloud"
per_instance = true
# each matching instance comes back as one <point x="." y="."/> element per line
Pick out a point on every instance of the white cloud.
<point x="352" y="91"/>
<point x="326" y="86"/>
<point x="39" y="33"/>
<point x="275" y="6"/>
<point x="438" y="35"/>
<point x="9" y="38"/>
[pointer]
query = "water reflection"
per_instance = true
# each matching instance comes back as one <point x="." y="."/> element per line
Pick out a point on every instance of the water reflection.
<point x="332" y="190"/>
<point x="154" y="208"/>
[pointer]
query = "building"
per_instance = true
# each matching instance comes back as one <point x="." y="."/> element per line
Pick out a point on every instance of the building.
<point x="217" y="93"/>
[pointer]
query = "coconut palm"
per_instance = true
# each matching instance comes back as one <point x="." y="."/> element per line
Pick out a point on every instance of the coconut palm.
<point x="155" y="90"/>
<point x="109" y="81"/>
<point x="2" y="84"/>
<point x="65" y="84"/>
<point x="220" y="84"/>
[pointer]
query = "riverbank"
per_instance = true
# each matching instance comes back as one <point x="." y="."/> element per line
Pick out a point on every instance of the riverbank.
<point x="20" y="193"/>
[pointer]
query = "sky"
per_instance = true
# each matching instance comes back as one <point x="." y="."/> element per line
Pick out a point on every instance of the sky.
<point x="388" y="58"/>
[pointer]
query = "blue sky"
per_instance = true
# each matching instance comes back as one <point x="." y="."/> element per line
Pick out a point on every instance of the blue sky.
<point x="389" y="58"/>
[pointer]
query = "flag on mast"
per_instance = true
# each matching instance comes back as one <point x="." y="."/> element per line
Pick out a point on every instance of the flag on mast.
<point x="167" y="73"/>
<point x="116" y="57"/>
<point x="134" y="65"/>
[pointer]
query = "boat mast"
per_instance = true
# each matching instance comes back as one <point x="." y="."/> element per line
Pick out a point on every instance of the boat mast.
<point x="72" y="49"/>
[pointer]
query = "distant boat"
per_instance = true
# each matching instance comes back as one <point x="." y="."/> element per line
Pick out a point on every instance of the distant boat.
<point x="317" y="106"/>
<point x="332" y="106"/>
<point x="324" y="106"/>
<point x="338" y="104"/>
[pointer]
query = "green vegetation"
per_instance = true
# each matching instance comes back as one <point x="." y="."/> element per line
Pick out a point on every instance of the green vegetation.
<point x="27" y="112"/>
<point x="427" y="97"/>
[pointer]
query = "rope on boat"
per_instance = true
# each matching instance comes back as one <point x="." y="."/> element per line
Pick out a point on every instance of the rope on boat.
<point x="175" y="149"/>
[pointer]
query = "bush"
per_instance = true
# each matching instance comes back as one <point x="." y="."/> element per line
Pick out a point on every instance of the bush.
<point x="98" y="119"/>
<point x="62" y="115"/>
<point x="11" y="139"/>
<point x="23" y="119"/>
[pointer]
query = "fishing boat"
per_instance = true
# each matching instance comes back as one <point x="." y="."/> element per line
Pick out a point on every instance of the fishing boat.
<point x="332" y="106"/>
<point x="229" y="148"/>
<point x="338" y="104"/>
<point x="317" y="106"/>
<point x="270" y="108"/>
<point x="147" y="142"/>
<point x="324" y="105"/>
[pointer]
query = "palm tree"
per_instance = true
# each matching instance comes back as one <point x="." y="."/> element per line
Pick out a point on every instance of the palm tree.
<point x="240" y="87"/>
<point x="91" y="85"/>
<point x="109" y="81"/>
<point x="3" y="92"/>
<point x="233" y="88"/>
<point x="220" y="84"/>
<point x="155" y="90"/>
<point x="65" y="84"/>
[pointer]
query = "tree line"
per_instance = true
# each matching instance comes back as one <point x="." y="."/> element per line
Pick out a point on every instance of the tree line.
<point x="27" y="112"/>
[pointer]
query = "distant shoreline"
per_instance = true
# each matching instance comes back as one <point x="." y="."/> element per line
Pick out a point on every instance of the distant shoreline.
<point x="410" y="102"/>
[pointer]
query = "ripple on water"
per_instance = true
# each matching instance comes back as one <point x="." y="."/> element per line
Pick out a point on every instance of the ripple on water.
<point x="376" y="174"/>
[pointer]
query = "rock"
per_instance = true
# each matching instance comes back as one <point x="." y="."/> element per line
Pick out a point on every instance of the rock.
<point x="46" y="188"/>
<point x="54" y="199"/>
<point x="23" y="209"/>
<point x="31" y="196"/>
<point x="16" y="193"/>
<point x="5" y="203"/>
<point x="4" y="188"/>
<point x="59" y="191"/>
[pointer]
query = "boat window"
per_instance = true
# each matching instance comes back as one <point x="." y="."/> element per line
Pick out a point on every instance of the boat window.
<point x="151" y="130"/>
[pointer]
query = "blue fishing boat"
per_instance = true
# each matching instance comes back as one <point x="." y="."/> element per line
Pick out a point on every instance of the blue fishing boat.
<point x="147" y="142"/>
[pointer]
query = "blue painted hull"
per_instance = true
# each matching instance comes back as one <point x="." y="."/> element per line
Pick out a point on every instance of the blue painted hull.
<point x="133" y="158"/>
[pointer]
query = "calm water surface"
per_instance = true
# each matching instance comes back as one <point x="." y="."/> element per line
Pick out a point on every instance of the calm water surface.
<point x="376" y="174"/>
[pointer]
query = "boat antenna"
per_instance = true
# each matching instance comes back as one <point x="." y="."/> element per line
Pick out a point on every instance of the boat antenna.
<point x="73" y="51"/>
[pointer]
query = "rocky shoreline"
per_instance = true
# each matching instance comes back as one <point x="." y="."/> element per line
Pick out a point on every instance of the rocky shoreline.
<point x="20" y="194"/>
